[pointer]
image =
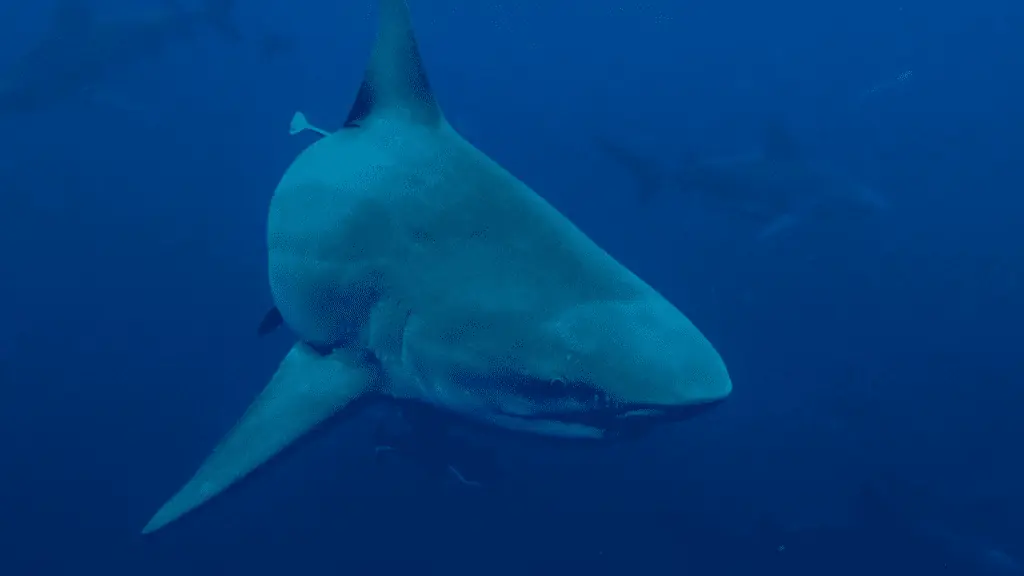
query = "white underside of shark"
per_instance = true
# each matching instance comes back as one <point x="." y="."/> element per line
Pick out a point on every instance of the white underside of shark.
<point x="410" y="265"/>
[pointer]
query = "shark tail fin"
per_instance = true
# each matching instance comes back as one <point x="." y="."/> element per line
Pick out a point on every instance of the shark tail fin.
<point x="306" y="390"/>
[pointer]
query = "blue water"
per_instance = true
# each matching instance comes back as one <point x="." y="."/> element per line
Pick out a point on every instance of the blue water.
<point x="877" y="356"/>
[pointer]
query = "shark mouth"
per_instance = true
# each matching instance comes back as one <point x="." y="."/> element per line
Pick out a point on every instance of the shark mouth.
<point x="592" y="409"/>
<point x="612" y="417"/>
<point x="534" y="402"/>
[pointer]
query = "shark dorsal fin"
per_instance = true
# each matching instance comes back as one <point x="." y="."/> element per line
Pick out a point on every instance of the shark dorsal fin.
<point x="394" y="79"/>
<point x="779" y="144"/>
<point x="72" y="18"/>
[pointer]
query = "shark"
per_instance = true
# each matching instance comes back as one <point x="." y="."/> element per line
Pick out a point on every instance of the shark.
<point x="80" y="52"/>
<point x="777" y="187"/>
<point x="412" y="267"/>
<point x="890" y="524"/>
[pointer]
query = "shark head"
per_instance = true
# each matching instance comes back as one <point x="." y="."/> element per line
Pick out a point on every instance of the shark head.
<point x="412" y="266"/>
<point x="591" y="370"/>
<point x="603" y="368"/>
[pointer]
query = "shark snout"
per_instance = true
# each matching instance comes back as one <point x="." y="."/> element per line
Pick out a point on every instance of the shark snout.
<point x="685" y="370"/>
<point x="649" y="358"/>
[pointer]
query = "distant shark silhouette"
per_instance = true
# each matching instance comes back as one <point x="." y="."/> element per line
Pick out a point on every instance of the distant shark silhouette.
<point x="777" y="187"/>
<point x="886" y="531"/>
<point x="900" y="509"/>
<point x="413" y="267"/>
<point x="80" y="52"/>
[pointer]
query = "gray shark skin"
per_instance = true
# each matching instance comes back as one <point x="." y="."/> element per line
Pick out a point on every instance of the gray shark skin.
<point x="80" y="52"/>
<point x="777" y="188"/>
<point x="412" y="266"/>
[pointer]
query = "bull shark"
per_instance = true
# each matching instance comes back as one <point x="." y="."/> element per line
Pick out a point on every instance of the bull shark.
<point x="777" y="187"/>
<point x="888" y="528"/>
<point x="80" y="52"/>
<point x="414" y="268"/>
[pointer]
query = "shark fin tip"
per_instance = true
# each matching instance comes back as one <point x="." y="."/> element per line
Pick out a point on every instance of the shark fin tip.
<point x="158" y="521"/>
<point x="307" y="389"/>
<point x="395" y="77"/>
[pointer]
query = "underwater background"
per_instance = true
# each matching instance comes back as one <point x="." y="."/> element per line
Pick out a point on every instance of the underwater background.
<point x="876" y="420"/>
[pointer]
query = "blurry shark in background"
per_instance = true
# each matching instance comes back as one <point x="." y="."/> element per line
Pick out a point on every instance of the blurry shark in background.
<point x="778" y="187"/>
<point x="892" y="528"/>
<point x="79" y="51"/>
<point x="912" y="510"/>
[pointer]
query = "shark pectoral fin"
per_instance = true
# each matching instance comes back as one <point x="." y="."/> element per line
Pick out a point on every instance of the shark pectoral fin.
<point x="778" y="225"/>
<point x="272" y="320"/>
<point x="299" y="124"/>
<point x="306" y="390"/>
